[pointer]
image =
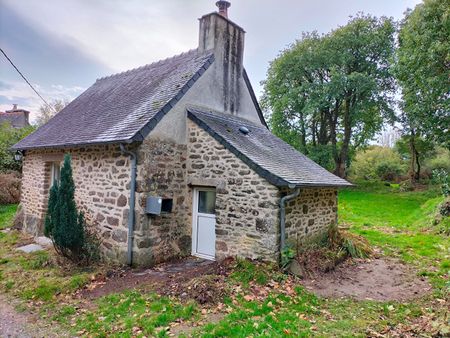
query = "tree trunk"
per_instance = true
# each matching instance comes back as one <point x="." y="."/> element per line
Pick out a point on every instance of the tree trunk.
<point x="414" y="169"/>
<point x="341" y="160"/>
<point x="332" y="120"/>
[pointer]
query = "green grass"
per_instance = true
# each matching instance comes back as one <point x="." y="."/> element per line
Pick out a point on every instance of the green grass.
<point x="133" y="314"/>
<point x="398" y="223"/>
<point x="401" y="223"/>
<point x="399" y="210"/>
<point x="7" y="213"/>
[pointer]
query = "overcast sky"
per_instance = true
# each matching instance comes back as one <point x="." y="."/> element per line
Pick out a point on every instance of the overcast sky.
<point x="64" y="46"/>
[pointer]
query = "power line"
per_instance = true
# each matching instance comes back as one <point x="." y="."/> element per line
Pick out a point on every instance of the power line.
<point x="28" y="82"/>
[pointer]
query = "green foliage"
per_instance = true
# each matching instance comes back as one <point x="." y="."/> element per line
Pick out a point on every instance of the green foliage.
<point x="438" y="159"/>
<point x="322" y="155"/>
<point x="64" y="224"/>
<point x="414" y="150"/>
<point x="333" y="90"/>
<point x="442" y="177"/>
<point x="423" y="65"/>
<point x="8" y="137"/>
<point x="377" y="163"/>
<point x="287" y="255"/>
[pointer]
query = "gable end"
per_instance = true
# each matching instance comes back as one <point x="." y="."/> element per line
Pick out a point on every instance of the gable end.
<point x="271" y="178"/>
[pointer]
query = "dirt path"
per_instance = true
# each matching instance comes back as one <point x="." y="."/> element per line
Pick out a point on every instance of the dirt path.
<point x="379" y="279"/>
<point x="163" y="276"/>
<point x="21" y="325"/>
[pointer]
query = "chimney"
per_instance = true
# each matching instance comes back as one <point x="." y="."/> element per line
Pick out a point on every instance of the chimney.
<point x="14" y="106"/>
<point x="226" y="39"/>
<point x="223" y="8"/>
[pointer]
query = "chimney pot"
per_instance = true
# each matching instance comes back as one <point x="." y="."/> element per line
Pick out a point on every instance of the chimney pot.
<point x="14" y="106"/>
<point x="223" y="7"/>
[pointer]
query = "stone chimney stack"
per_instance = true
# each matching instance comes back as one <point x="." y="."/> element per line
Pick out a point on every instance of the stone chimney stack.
<point x="226" y="40"/>
<point x="223" y="8"/>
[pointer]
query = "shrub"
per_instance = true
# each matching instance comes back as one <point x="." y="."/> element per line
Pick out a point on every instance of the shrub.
<point x="10" y="188"/>
<point x="388" y="171"/>
<point x="377" y="163"/>
<point x="444" y="208"/>
<point x="439" y="160"/>
<point x="64" y="225"/>
<point x="442" y="177"/>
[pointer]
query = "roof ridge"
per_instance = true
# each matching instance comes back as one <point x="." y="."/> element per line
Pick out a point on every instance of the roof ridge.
<point x="149" y="65"/>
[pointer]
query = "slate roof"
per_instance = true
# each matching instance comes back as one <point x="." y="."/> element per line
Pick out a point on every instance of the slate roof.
<point x="123" y="107"/>
<point x="269" y="156"/>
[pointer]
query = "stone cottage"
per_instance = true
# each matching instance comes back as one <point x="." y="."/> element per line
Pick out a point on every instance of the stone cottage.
<point x="174" y="158"/>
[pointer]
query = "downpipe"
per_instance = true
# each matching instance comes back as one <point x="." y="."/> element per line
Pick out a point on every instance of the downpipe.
<point x="283" y="202"/>
<point x="133" y="158"/>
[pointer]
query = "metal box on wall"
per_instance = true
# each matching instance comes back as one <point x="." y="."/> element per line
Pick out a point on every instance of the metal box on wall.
<point x="156" y="205"/>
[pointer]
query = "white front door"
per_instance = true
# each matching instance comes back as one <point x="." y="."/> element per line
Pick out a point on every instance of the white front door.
<point x="204" y="223"/>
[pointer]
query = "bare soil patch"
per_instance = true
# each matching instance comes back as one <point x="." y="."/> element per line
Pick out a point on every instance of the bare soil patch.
<point x="190" y="278"/>
<point x="378" y="279"/>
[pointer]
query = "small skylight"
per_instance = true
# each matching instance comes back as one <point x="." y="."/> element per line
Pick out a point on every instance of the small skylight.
<point x="244" y="130"/>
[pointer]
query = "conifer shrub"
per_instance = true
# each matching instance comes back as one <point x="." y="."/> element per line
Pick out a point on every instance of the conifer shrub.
<point x="65" y="226"/>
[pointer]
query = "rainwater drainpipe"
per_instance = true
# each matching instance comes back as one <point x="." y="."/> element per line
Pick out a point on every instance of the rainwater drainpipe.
<point x="283" y="202"/>
<point x="130" y="236"/>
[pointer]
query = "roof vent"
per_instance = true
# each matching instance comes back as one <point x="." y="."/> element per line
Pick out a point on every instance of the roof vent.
<point x="244" y="130"/>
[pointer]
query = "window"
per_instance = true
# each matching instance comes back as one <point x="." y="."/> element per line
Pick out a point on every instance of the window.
<point x="206" y="201"/>
<point x="56" y="172"/>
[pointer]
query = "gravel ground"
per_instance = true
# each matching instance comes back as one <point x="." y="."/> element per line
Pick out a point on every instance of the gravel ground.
<point x="21" y="325"/>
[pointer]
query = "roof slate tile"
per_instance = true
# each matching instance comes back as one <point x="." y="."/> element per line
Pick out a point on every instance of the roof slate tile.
<point x="117" y="107"/>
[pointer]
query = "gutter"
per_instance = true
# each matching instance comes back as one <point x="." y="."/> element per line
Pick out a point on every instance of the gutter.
<point x="283" y="202"/>
<point x="130" y="236"/>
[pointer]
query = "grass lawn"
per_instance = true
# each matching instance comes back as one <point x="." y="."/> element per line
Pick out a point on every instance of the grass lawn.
<point x="7" y="213"/>
<point x="401" y="224"/>
<point x="398" y="223"/>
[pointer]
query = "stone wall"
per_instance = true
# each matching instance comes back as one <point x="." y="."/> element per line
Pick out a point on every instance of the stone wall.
<point x="101" y="177"/>
<point x="247" y="213"/>
<point x="162" y="173"/>
<point x="247" y="219"/>
<point x="309" y="215"/>
<point x="35" y="188"/>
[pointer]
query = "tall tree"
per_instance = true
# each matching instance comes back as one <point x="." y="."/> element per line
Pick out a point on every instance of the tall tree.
<point x="423" y="71"/>
<point x="333" y="91"/>
<point x="50" y="110"/>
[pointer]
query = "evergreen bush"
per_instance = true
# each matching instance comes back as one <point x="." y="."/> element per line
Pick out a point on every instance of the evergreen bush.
<point x="64" y="225"/>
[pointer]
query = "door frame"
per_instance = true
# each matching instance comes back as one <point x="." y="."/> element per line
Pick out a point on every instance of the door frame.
<point x="195" y="215"/>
